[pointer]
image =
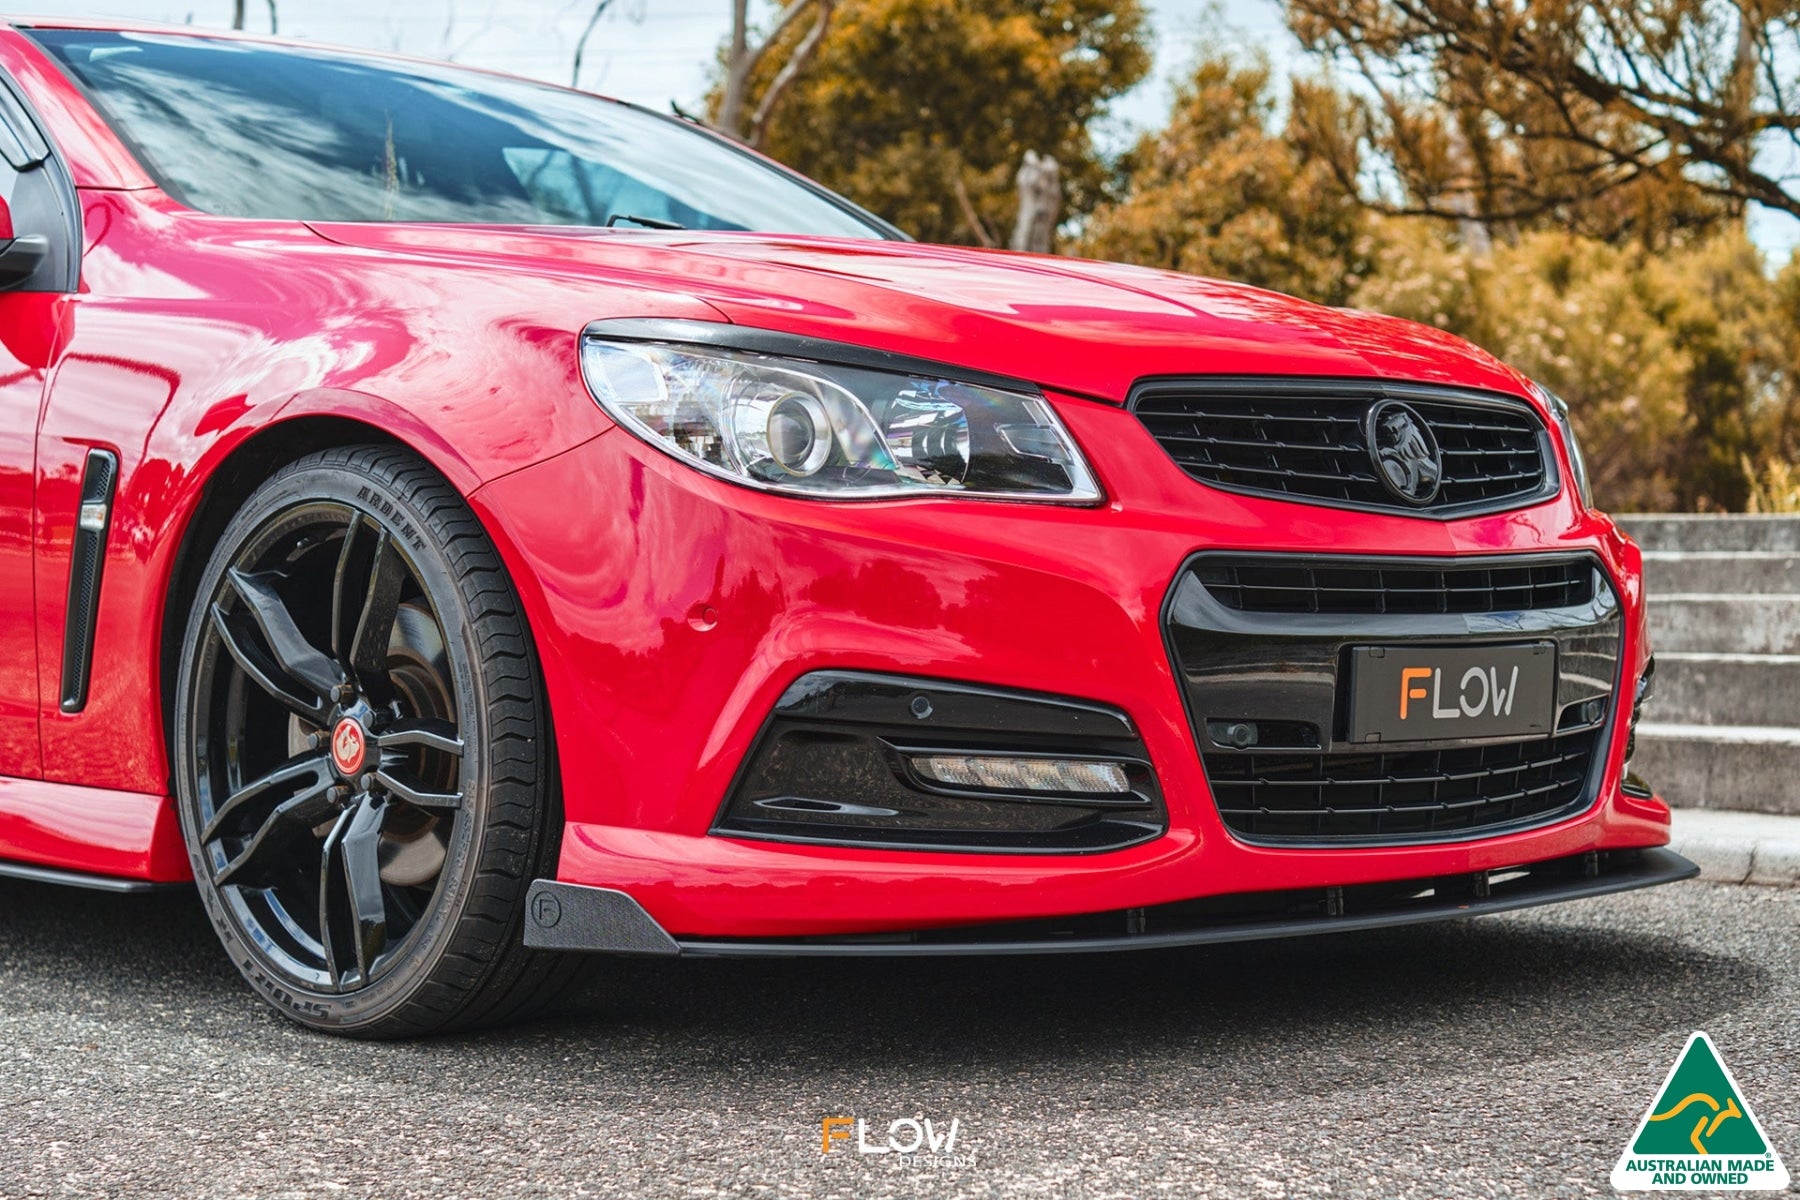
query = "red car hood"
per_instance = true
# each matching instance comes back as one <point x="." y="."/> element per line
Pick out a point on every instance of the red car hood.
<point x="1069" y="324"/>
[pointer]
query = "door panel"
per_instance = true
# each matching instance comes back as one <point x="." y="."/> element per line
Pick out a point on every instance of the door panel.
<point x="28" y="343"/>
<point x="26" y="319"/>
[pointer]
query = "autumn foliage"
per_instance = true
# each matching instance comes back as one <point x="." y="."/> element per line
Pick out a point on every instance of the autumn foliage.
<point x="1679" y="366"/>
<point x="1679" y="354"/>
<point x="1227" y="189"/>
<point x="1564" y="183"/>
<point x="922" y="110"/>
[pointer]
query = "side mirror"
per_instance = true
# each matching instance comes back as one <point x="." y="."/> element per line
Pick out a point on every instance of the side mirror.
<point x="19" y="256"/>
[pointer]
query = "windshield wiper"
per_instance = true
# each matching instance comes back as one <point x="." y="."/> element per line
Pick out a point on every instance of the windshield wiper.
<point x="646" y="222"/>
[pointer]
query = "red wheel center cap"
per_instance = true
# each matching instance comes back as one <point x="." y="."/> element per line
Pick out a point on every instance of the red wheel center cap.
<point x="349" y="746"/>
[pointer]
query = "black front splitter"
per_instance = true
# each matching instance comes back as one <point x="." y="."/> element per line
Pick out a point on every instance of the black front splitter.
<point x="567" y="916"/>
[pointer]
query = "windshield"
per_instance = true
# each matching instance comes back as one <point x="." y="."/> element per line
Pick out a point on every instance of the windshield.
<point x="247" y="130"/>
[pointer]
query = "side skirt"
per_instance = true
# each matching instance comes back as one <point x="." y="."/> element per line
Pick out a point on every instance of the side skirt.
<point x="81" y="879"/>
<point x="68" y="830"/>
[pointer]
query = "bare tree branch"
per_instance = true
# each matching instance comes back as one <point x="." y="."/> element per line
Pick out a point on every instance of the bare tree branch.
<point x="238" y="15"/>
<point x="790" y="70"/>
<point x="743" y="60"/>
<point x="1563" y="102"/>
<point x="737" y="75"/>
<point x="786" y="18"/>
<point x="582" y="41"/>
<point x="973" y="218"/>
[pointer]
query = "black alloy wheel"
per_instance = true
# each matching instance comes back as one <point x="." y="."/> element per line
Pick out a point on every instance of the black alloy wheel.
<point x="362" y="756"/>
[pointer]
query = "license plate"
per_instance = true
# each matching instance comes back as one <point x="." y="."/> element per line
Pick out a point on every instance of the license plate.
<point x="1418" y="693"/>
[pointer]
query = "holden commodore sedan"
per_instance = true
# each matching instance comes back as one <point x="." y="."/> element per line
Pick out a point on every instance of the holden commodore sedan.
<point x="457" y="522"/>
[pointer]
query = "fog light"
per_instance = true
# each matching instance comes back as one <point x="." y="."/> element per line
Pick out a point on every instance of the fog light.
<point x="840" y="762"/>
<point x="1011" y="774"/>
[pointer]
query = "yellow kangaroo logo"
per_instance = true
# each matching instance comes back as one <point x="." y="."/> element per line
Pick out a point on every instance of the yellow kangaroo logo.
<point x="1709" y="1123"/>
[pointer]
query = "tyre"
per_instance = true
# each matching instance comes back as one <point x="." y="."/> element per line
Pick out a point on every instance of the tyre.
<point x="362" y="752"/>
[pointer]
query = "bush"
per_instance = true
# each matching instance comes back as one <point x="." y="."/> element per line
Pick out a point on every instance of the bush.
<point x="1679" y="367"/>
<point x="1225" y="190"/>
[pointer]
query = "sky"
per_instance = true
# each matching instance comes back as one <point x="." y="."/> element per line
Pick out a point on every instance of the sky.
<point x="657" y="51"/>
<point x="647" y="51"/>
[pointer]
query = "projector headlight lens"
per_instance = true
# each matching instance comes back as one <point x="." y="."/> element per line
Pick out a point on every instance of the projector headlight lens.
<point x="798" y="434"/>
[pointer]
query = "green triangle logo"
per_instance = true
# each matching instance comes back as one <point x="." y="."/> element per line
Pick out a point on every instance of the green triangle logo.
<point x="1700" y="1133"/>
<point x="1698" y="1110"/>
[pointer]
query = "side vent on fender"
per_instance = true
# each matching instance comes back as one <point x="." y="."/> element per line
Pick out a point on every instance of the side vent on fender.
<point x="98" y="479"/>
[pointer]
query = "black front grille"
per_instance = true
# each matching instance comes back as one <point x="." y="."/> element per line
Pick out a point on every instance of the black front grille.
<point x="1306" y="439"/>
<point x="1400" y="794"/>
<point x="1265" y="645"/>
<point x="1287" y="585"/>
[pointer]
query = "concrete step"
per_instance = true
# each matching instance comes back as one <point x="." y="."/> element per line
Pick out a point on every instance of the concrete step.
<point x="1692" y="531"/>
<point x="1741" y="768"/>
<point x="1725" y="689"/>
<point x="1759" y="571"/>
<point x="1725" y="623"/>
<point x="1735" y="847"/>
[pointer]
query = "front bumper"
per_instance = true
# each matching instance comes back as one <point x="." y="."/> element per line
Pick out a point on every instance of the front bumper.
<point x="673" y="610"/>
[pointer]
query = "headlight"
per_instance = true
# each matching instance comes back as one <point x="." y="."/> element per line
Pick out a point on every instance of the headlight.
<point x="1559" y="409"/>
<point x="837" y="432"/>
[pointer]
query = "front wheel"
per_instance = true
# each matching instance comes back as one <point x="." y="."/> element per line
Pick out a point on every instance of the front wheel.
<point x="362" y="753"/>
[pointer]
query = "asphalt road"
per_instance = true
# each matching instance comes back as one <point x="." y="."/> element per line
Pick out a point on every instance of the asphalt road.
<point x="1509" y="1056"/>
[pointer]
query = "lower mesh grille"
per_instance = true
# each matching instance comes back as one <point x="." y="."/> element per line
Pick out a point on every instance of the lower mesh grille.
<point x="1272" y="585"/>
<point x="1399" y="793"/>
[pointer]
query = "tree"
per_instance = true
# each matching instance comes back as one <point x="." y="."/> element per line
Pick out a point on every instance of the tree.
<point x="1621" y="120"/>
<point x="587" y="31"/>
<point x="602" y="8"/>
<point x="237" y="16"/>
<point x="923" y="110"/>
<point x="1220" y="192"/>
<point x="1040" y="203"/>
<point x="1678" y="366"/>
<point x="784" y="55"/>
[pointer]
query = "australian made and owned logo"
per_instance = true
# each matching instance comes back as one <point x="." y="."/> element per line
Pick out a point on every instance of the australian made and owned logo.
<point x="1700" y="1134"/>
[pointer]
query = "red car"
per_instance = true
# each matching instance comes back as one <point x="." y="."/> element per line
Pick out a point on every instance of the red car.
<point x="455" y="521"/>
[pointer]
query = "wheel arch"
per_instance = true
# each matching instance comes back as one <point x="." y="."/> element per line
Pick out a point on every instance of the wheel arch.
<point x="304" y="426"/>
<point x="227" y="484"/>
